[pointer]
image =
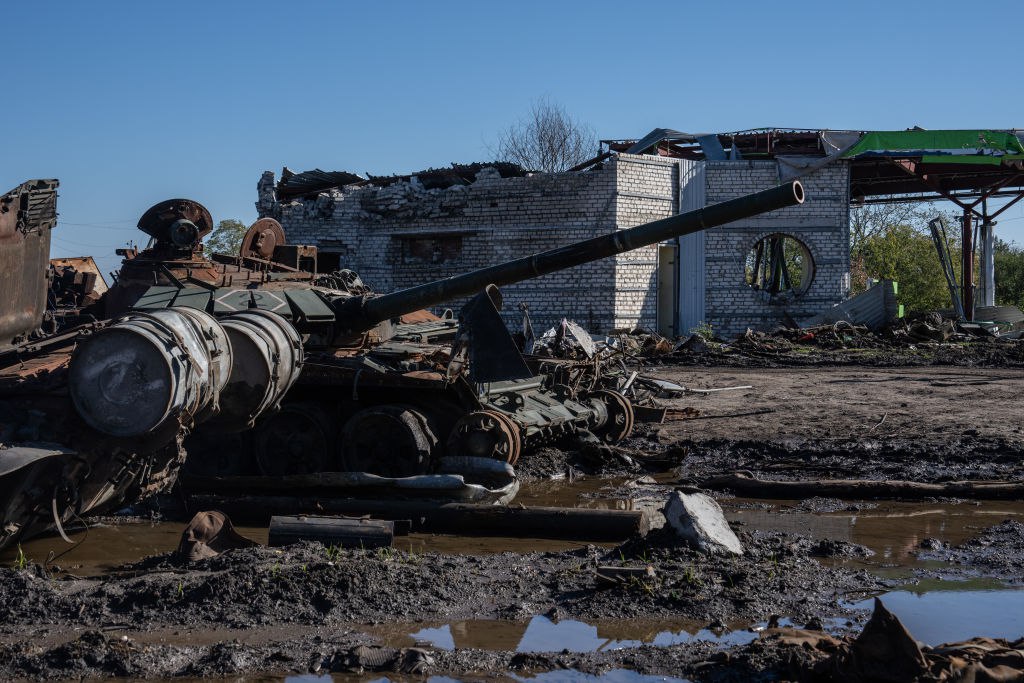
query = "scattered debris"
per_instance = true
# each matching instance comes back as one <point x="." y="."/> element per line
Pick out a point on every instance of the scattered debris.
<point x="209" y="534"/>
<point x="364" y="658"/>
<point x="885" y="651"/>
<point x="619" y="576"/>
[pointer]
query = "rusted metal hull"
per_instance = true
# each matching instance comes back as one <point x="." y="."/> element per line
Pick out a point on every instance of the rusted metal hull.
<point x="27" y="214"/>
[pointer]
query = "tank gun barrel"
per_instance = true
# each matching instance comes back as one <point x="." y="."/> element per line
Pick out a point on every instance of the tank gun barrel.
<point x="432" y="293"/>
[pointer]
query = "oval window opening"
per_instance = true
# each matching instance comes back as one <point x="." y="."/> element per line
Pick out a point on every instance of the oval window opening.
<point x="780" y="267"/>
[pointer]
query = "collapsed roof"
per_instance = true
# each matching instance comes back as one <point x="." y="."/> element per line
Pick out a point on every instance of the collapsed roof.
<point x="913" y="164"/>
<point x="954" y="164"/>
<point x="310" y="183"/>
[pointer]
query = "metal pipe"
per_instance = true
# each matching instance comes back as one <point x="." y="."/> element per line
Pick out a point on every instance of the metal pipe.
<point x="415" y="298"/>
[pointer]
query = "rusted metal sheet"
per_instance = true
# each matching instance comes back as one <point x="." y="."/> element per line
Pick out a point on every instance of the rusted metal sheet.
<point x="27" y="214"/>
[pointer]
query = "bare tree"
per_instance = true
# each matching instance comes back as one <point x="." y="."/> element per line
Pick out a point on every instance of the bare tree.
<point x="548" y="140"/>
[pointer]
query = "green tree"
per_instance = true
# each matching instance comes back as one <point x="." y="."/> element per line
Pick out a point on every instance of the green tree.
<point x="907" y="255"/>
<point x="226" y="238"/>
<point x="892" y="241"/>
<point x="1009" y="273"/>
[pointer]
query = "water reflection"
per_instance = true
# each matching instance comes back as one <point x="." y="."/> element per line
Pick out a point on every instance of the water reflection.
<point x="541" y="634"/>
<point x="948" y="616"/>
<point x="894" y="530"/>
<point x="567" y="675"/>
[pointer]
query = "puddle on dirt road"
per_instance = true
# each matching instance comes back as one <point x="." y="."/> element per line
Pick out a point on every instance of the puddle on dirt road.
<point x="893" y="530"/>
<point x="541" y="634"/>
<point x="939" y="615"/>
<point x="107" y="546"/>
<point x="560" y="676"/>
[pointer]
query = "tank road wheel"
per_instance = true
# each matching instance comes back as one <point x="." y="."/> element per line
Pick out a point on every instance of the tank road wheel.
<point x="618" y="423"/>
<point x="389" y="440"/>
<point x="295" y="440"/>
<point x="517" y="438"/>
<point x="486" y="434"/>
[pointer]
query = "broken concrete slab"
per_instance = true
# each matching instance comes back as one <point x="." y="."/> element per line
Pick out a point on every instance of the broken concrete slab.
<point x="699" y="521"/>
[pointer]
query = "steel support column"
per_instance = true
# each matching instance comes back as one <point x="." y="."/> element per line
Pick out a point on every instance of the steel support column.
<point x="967" y="263"/>
<point x="988" y="257"/>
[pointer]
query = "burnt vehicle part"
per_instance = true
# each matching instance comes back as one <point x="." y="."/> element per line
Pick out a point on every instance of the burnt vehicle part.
<point x="103" y="409"/>
<point x="27" y="214"/>
<point x="75" y="283"/>
<point x="93" y="415"/>
<point x="386" y="387"/>
<point x="151" y="369"/>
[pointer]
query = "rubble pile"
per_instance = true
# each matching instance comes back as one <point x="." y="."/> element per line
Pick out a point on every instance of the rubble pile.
<point x="928" y="339"/>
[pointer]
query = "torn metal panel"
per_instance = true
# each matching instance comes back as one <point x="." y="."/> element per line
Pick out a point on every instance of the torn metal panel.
<point x="27" y="214"/>
<point x="874" y="308"/>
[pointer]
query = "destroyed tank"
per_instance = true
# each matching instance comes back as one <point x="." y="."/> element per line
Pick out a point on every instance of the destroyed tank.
<point x="261" y="366"/>
<point x="324" y="374"/>
<point x="55" y="467"/>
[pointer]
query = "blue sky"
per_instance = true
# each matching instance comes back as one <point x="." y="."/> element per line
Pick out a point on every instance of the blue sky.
<point x="129" y="103"/>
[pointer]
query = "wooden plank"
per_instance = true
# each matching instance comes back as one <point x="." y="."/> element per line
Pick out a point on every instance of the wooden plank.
<point x="744" y="484"/>
<point x="345" y="532"/>
<point x="470" y="519"/>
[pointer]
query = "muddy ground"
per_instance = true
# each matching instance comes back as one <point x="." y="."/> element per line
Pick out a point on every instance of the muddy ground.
<point x="925" y="424"/>
<point x="308" y="609"/>
<point x="307" y="589"/>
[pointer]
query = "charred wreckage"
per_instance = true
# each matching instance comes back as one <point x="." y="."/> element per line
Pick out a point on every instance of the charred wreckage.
<point x="241" y="371"/>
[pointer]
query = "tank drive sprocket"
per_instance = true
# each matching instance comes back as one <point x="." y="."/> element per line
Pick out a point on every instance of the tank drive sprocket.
<point x="261" y="238"/>
<point x="486" y="434"/>
<point x="618" y="415"/>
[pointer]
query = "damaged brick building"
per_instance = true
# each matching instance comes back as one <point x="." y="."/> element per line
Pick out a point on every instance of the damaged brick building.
<point x="779" y="267"/>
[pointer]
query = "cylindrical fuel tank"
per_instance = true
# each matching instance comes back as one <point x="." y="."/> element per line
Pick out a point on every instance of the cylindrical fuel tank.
<point x="266" y="361"/>
<point x="147" y="369"/>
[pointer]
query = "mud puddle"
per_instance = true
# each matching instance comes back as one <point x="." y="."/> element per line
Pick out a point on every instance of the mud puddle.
<point x="894" y="531"/>
<point x="561" y="676"/>
<point x="542" y="634"/>
<point x="937" y="613"/>
<point x="109" y="545"/>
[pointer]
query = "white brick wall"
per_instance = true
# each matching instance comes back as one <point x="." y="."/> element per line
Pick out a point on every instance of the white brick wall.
<point x="502" y="219"/>
<point x="821" y="223"/>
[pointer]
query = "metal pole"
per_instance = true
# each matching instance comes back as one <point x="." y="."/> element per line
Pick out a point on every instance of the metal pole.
<point x="988" y="257"/>
<point x="967" y="264"/>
